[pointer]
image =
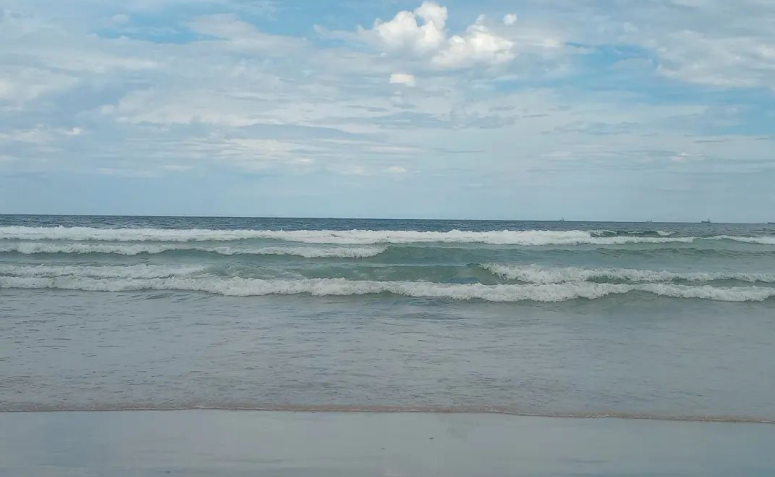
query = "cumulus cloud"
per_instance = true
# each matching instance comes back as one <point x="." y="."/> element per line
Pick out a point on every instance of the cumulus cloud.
<point x="404" y="33"/>
<point x="422" y="33"/>
<point x="476" y="46"/>
<point x="509" y="19"/>
<point x="402" y="78"/>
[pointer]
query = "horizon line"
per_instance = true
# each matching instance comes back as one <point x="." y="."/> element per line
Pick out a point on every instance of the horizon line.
<point x="384" y="218"/>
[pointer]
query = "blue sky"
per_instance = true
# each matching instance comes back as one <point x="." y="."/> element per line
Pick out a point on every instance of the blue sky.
<point x="522" y="109"/>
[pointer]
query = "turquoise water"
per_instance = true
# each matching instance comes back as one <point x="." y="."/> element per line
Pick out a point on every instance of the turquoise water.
<point x="551" y="318"/>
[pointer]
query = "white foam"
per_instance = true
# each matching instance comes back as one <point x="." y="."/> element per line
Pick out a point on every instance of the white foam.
<point x="347" y="237"/>
<point x="307" y="252"/>
<point x="341" y="287"/>
<point x="545" y="275"/>
<point x="31" y="248"/>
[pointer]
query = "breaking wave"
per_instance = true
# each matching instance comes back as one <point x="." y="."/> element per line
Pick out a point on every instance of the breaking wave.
<point x="762" y="240"/>
<point x="361" y="237"/>
<point x="123" y="272"/>
<point x="348" y="237"/>
<point x="31" y="248"/>
<point x="546" y="275"/>
<point x="554" y="292"/>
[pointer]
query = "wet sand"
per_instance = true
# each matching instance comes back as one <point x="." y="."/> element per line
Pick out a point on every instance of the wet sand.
<point x="248" y="443"/>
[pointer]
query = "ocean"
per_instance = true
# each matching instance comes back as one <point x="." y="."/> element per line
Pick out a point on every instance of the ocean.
<point x="582" y="319"/>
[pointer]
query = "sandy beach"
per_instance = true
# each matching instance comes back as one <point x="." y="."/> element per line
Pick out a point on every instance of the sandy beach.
<point x="242" y="443"/>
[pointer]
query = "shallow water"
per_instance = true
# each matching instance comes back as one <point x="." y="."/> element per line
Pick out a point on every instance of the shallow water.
<point x="207" y="443"/>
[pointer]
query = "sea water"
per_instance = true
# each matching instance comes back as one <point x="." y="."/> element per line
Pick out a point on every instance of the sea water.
<point x="653" y="320"/>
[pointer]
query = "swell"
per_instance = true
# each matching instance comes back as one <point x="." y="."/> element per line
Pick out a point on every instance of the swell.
<point x="245" y="287"/>
<point x="357" y="237"/>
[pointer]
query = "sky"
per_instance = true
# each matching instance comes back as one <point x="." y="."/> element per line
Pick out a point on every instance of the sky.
<point x="519" y="109"/>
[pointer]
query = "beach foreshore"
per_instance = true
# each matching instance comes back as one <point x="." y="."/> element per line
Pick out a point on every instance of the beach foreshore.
<point x="277" y="443"/>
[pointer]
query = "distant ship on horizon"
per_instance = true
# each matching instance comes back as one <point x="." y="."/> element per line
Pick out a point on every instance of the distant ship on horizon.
<point x="705" y="221"/>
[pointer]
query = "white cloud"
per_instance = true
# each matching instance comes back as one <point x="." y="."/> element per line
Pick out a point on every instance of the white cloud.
<point x="243" y="35"/>
<point x="685" y="157"/>
<point x="38" y="135"/>
<point x="476" y="46"/>
<point x="509" y="19"/>
<point x="19" y="85"/>
<point x="237" y="97"/>
<point x="396" y="170"/>
<point x="433" y="14"/>
<point x="725" y="62"/>
<point x="705" y="42"/>
<point x="427" y="39"/>
<point x="354" y="171"/>
<point x="404" y="33"/>
<point x="402" y="78"/>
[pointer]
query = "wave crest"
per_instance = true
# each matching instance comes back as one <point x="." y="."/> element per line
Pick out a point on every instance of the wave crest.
<point x="32" y="248"/>
<point x="362" y="237"/>
<point x="762" y="240"/>
<point x="545" y="275"/>
<point x="340" y="287"/>
<point x="346" y="237"/>
<point x="123" y="272"/>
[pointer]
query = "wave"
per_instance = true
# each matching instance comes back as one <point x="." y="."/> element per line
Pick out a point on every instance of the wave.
<point x="244" y="287"/>
<point x="762" y="240"/>
<point x="32" y="248"/>
<point x="532" y="274"/>
<point x="122" y="272"/>
<point x="642" y="233"/>
<point x="545" y="275"/>
<point x="348" y="237"/>
<point x="360" y="237"/>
